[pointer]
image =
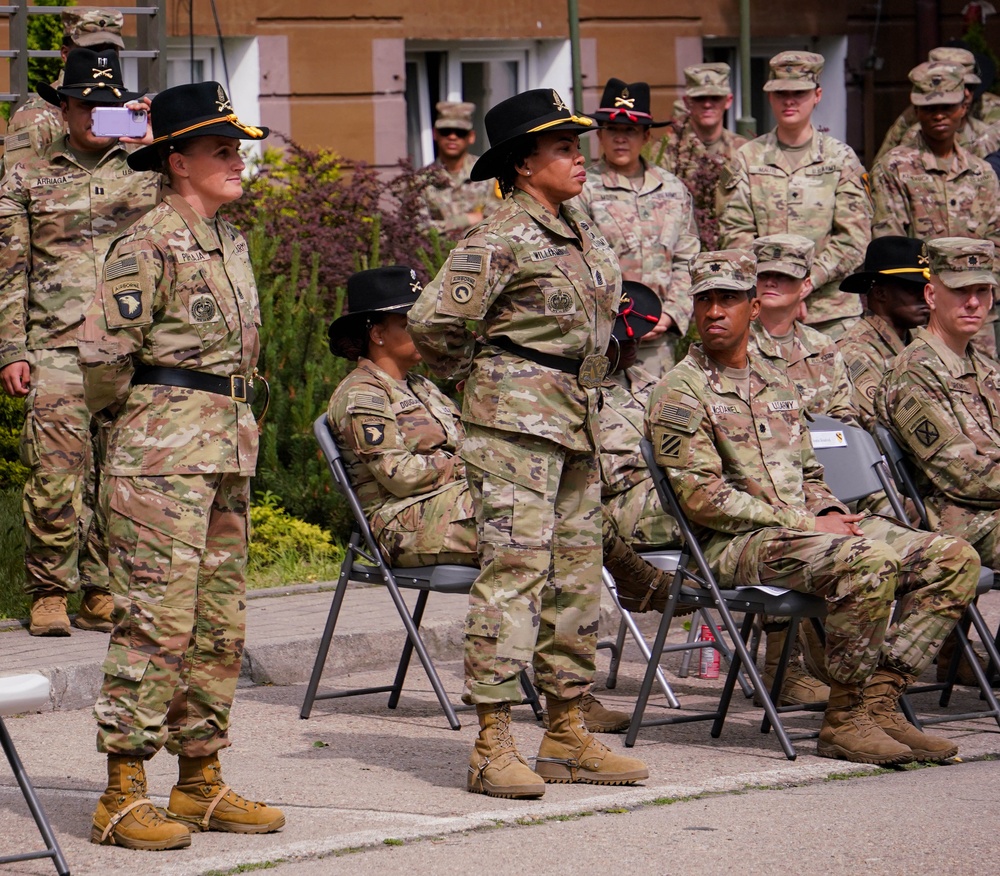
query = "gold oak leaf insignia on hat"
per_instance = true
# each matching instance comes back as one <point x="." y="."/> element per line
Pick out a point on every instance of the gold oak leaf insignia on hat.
<point x="557" y="101"/>
<point x="222" y="102"/>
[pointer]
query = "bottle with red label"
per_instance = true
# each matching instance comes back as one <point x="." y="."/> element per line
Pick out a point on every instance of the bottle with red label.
<point x="708" y="663"/>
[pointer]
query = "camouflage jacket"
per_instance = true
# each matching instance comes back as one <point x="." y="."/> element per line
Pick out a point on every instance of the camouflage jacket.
<point x="399" y="438"/>
<point x="625" y="396"/>
<point x="699" y="166"/>
<point x="652" y="231"/>
<point x="448" y="197"/>
<point x="736" y="466"/>
<point x="57" y="220"/>
<point x="976" y="136"/>
<point x="549" y="283"/>
<point x="35" y="123"/>
<point x="868" y="348"/>
<point x="815" y="366"/>
<point x="945" y="413"/>
<point x="915" y="198"/>
<point x="825" y="199"/>
<point x="177" y="292"/>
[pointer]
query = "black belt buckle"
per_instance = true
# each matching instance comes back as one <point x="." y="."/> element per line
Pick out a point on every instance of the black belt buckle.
<point x="238" y="387"/>
<point x="593" y="370"/>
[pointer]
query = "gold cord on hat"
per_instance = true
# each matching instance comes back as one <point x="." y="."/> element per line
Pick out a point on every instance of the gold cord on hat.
<point x="580" y="120"/>
<point x="252" y="132"/>
<point x="904" y="271"/>
<point x="89" y="88"/>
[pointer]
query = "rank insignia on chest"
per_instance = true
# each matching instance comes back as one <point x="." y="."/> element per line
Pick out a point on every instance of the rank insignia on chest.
<point x="374" y="433"/>
<point x="764" y="429"/>
<point x="203" y="309"/>
<point x="129" y="303"/>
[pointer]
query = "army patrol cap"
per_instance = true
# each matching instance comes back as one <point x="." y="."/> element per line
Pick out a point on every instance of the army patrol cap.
<point x="794" y="71"/>
<point x="936" y="83"/>
<point x="86" y="26"/>
<point x="707" y="80"/>
<point x="960" y="58"/>
<point x="394" y="289"/>
<point x="454" y="115"/>
<point x="961" y="261"/>
<point x="725" y="269"/>
<point x="788" y="254"/>
<point x="892" y="257"/>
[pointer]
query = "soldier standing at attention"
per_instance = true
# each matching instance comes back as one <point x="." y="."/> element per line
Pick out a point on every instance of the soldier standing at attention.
<point x="892" y="281"/>
<point x="645" y="214"/>
<point x="935" y="188"/>
<point x="168" y="354"/>
<point x="698" y="144"/>
<point x="542" y="286"/>
<point x="59" y="211"/>
<point x="764" y="516"/>
<point x="35" y="123"/>
<point x="797" y="180"/>
<point x="454" y="201"/>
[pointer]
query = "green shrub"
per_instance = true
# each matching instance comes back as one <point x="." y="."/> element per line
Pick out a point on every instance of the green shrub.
<point x="276" y="534"/>
<point x="12" y="472"/>
<point x="45" y="33"/>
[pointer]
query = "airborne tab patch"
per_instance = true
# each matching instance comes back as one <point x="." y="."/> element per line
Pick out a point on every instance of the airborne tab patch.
<point x="129" y="300"/>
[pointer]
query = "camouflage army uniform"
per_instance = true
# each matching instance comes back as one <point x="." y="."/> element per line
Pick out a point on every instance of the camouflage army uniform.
<point x="178" y="292"/>
<point x="868" y="348"/>
<point x="815" y="366"/>
<point x="944" y="410"/>
<point x="57" y="219"/>
<point x="746" y="475"/>
<point x="550" y="284"/>
<point x="915" y="197"/>
<point x="36" y="123"/>
<point x="400" y="442"/>
<point x="653" y="233"/>
<point x="824" y="199"/>
<point x="631" y="503"/>
<point x="977" y="136"/>
<point x="450" y="196"/>
<point x="699" y="165"/>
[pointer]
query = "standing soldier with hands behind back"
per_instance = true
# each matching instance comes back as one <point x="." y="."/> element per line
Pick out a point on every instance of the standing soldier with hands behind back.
<point x="59" y="211"/>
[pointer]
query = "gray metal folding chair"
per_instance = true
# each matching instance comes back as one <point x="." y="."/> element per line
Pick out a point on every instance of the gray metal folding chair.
<point x="698" y="586"/>
<point x="904" y="477"/>
<point x="425" y="580"/>
<point x="26" y="693"/>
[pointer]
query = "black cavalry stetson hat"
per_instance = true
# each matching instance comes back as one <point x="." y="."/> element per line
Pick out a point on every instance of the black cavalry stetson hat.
<point x="380" y="290"/>
<point x="638" y="311"/>
<point x="626" y="103"/>
<point x="200" y="109"/>
<point x="531" y="112"/>
<point x="95" y="77"/>
<point x="893" y="258"/>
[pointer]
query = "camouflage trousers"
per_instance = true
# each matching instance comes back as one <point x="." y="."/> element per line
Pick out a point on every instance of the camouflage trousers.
<point x="537" y="598"/>
<point x="177" y="556"/>
<point x="638" y="517"/>
<point x="860" y="577"/>
<point x="64" y="547"/>
<point x="439" y="529"/>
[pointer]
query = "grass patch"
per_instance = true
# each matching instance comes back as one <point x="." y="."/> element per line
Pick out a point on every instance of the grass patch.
<point x="303" y="566"/>
<point x="389" y="841"/>
<point x="246" y="868"/>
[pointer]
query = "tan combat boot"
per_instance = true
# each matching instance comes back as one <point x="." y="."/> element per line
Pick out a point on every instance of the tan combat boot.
<point x="640" y="586"/>
<point x="799" y="688"/>
<point x="850" y="733"/>
<point x="569" y="753"/>
<point x="202" y="801"/>
<point x="125" y="817"/>
<point x="48" y="615"/>
<point x="95" y="612"/>
<point x="496" y="767"/>
<point x="600" y="719"/>
<point x="881" y="695"/>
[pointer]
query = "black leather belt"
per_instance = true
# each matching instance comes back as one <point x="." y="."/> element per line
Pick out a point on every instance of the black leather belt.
<point x="236" y="386"/>
<point x="589" y="372"/>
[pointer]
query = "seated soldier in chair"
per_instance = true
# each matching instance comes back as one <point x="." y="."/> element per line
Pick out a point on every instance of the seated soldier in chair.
<point x="729" y="429"/>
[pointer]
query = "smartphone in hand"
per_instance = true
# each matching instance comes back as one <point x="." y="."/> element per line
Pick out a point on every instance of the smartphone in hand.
<point x="117" y="121"/>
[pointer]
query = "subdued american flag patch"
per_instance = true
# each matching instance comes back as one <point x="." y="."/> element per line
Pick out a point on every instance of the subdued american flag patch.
<point x="370" y="400"/>
<point x="122" y="267"/>
<point x="675" y="415"/>
<point x="466" y="261"/>
<point x="16" y="141"/>
<point x="907" y="411"/>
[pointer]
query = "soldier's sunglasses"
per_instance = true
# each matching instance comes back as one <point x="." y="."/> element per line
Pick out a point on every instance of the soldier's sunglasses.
<point x="458" y="132"/>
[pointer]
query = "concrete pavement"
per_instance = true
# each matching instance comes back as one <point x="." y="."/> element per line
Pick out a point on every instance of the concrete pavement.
<point x="356" y="774"/>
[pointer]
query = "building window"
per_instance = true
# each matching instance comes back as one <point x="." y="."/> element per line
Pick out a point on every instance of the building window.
<point x="483" y="73"/>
